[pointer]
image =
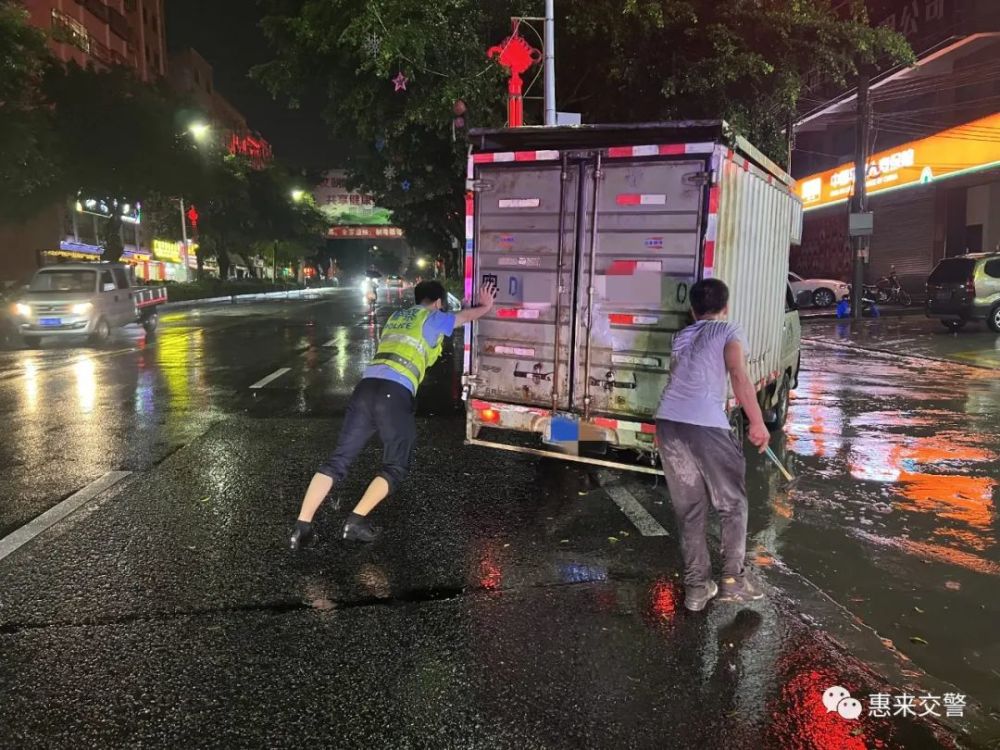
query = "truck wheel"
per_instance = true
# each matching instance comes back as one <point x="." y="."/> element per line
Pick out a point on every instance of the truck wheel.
<point x="738" y="422"/>
<point x="32" y="342"/>
<point x="779" y="411"/>
<point x="823" y="298"/>
<point x="102" y="332"/>
<point x="954" y="325"/>
<point x="994" y="319"/>
<point x="150" y="321"/>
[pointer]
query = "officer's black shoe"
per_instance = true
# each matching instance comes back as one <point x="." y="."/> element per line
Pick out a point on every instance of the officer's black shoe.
<point x="303" y="537"/>
<point x="359" y="529"/>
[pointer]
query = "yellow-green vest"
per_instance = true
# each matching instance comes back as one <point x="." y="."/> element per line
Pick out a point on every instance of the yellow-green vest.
<point x="403" y="347"/>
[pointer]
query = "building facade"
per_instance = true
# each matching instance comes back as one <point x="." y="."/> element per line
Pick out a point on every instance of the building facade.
<point x="933" y="179"/>
<point x="103" y="33"/>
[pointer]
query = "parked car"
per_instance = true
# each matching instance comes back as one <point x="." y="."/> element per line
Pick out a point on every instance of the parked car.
<point x="393" y="282"/>
<point x="821" y="292"/>
<point x="964" y="288"/>
<point x="87" y="299"/>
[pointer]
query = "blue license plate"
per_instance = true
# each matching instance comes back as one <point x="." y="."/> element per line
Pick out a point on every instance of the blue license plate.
<point x="48" y="322"/>
<point x="563" y="430"/>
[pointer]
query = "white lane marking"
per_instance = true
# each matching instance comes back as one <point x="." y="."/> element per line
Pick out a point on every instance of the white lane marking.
<point x="639" y="516"/>
<point x="273" y="376"/>
<point x="893" y="342"/>
<point x="17" y="539"/>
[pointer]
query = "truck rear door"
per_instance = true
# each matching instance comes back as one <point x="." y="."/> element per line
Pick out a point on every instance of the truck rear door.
<point x="633" y="278"/>
<point x="522" y="349"/>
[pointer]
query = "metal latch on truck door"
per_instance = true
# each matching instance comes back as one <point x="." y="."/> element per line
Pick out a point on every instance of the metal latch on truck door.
<point x="698" y="179"/>
<point x="609" y="383"/>
<point x="479" y="186"/>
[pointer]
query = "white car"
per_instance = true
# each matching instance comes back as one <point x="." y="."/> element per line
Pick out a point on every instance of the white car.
<point x="821" y="292"/>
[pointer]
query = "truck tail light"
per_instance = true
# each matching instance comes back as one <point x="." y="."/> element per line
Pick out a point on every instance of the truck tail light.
<point x="489" y="416"/>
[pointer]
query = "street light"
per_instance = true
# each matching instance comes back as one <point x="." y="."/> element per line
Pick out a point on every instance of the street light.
<point x="421" y="263"/>
<point x="298" y="195"/>
<point x="199" y="130"/>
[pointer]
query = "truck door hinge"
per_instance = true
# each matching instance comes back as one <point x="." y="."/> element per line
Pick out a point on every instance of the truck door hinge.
<point x="699" y="179"/>
<point x="478" y="186"/>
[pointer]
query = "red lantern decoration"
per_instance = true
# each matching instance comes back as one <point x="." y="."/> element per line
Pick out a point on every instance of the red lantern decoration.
<point x="193" y="215"/>
<point x="517" y="56"/>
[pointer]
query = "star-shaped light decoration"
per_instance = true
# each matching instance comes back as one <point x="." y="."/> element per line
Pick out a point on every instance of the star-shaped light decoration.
<point x="390" y="172"/>
<point x="373" y="44"/>
<point x="400" y="81"/>
<point x="405" y="185"/>
<point x="379" y="144"/>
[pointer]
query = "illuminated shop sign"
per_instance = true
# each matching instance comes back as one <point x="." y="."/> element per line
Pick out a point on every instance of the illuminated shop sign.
<point x="946" y="154"/>
<point x="364" y="232"/>
<point x="171" y="252"/>
<point x="131" y="213"/>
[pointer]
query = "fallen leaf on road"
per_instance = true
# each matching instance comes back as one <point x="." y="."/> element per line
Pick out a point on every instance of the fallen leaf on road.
<point x="622" y="533"/>
<point x="918" y="610"/>
<point x="953" y="585"/>
<point x="614" y="539"/>
<point x="918" y="640"/>
<point x="564" y="541"/>
<point x="205" y="499"/>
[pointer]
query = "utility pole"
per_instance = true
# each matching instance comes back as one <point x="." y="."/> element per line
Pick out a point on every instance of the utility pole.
<point x="859" y="199"/>
<point x="550" y="63"/>
<point x="184" y="237"/>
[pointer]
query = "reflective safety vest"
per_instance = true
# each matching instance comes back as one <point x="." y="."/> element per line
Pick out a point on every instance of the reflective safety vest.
<point x="403" y="347"/>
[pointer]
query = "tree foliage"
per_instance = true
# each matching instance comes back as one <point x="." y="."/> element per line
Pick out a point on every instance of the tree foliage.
<point x="617" y="61"/>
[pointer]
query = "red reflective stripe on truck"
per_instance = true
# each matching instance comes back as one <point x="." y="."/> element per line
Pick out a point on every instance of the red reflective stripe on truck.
<point x="648" y="429"/>
<point x="617" y="319"/>
<point x="622" y="268"/>
<point x="672" y="149"/>
<point x="709" y="254"/>
<point x="713" y="200"/>
<point x="611" y="424"/>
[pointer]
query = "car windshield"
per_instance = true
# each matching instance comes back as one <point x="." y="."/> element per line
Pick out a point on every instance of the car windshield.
<point x="64" y="281"/>
<point x="952" y="270"/>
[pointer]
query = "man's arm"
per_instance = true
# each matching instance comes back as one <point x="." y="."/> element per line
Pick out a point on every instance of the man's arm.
<point x="486" y="295"/>
<point x="746" y="394"/>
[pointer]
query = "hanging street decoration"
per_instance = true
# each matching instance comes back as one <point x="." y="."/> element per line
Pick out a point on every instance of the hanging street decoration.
<point x="406" y="186"/>
<point x="373" y="44"/>
<point x="380" y="144"/>
<point x="400" y="81"/>
<point x="517" y="56"/>
<point x="390" y="172"/>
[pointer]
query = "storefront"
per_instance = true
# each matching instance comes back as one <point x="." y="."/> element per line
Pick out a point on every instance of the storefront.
<point x="931" y="197"/>
<point x="172" y="259"/>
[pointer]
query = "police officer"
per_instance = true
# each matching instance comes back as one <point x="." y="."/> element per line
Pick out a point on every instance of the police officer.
<point x="383" y="403"/>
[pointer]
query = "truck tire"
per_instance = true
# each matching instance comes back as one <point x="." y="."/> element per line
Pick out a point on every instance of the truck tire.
<point x="149" y="322"/>
<point x="779" y="412"/>
<point x="738" y="422"/>
<point x="993" y="321"/>
<point x="32" y="342"/>
<point x="102" y="332"/>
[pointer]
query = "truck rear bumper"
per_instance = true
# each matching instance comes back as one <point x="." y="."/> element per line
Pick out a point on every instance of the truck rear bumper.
<point x="563" y="436"/>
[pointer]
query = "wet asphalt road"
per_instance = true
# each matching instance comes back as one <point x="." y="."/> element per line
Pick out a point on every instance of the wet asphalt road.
<point x="512" y="604"/>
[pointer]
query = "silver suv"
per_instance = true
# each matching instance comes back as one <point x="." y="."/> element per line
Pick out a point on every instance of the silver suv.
<point x="964" y="288"/>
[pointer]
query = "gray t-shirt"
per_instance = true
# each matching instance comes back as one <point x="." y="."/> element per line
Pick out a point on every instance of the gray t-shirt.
<point x="699" y="382"/>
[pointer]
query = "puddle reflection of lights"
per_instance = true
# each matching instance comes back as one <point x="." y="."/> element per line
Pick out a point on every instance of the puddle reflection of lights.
<point x="30" y="385"/>
<point x="86" y="384"/>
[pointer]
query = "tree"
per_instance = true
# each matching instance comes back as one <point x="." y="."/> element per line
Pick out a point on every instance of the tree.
<point x="27" y="169"/>
<point x="118" y="139"/>
<point x="741" y="60"/>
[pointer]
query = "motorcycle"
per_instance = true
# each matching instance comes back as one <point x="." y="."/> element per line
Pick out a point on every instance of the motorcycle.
<point x="890" y="291"/>
<point x="371" y="297"/>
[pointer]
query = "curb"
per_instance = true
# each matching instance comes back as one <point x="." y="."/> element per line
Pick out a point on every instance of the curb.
<point x="235" y="299"/>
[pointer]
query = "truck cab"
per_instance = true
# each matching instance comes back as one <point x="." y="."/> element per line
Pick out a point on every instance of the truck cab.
<point x="85" y="299"/>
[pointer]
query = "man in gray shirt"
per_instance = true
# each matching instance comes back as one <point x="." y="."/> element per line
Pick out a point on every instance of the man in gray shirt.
<point x="702" y="457"/>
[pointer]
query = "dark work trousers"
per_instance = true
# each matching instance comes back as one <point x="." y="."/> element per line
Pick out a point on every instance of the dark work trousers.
<point x="376" y="406"/>
<point x="705" y="466"/>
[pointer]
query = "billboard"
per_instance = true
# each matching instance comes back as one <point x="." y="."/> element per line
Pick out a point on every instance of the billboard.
<point x="951" y="152"/>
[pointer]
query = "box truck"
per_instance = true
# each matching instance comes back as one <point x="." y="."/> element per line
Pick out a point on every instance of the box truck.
<point x="593" y="236"/>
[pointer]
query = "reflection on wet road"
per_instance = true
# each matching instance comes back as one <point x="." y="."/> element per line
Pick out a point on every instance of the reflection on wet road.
<point x="895" y="516"/>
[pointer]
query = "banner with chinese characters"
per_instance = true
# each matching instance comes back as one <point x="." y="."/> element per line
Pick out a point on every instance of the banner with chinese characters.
<point x="951" y="152"/>
<point x="364" y="233"/>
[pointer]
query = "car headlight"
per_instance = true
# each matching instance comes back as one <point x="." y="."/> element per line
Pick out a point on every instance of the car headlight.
<point x="23" y="310"/>
<point x="81" y="309"/>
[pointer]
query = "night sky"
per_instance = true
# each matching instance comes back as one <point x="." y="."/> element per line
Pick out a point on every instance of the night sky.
<point x="225" y="33"/>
